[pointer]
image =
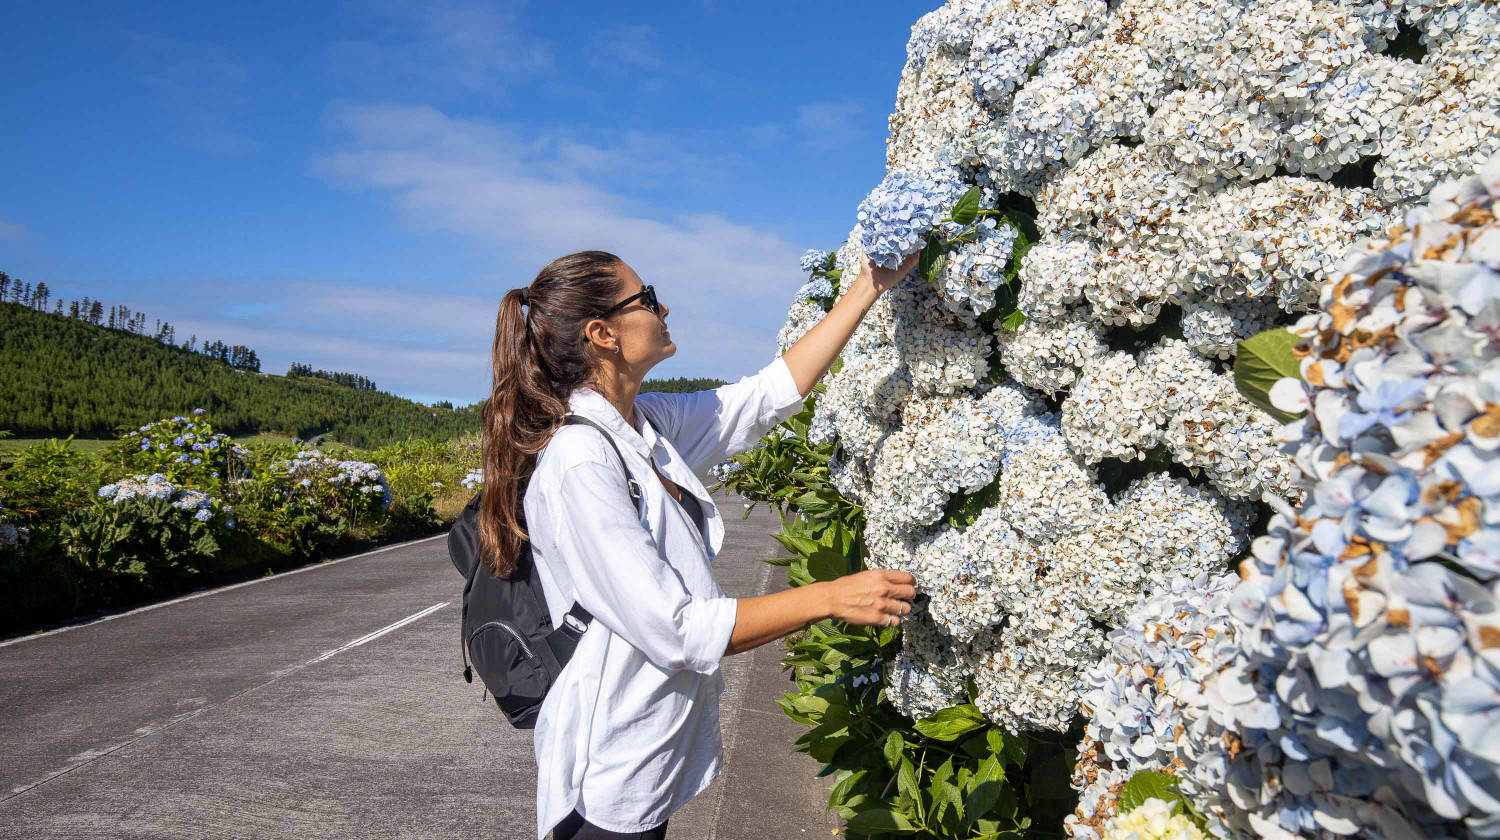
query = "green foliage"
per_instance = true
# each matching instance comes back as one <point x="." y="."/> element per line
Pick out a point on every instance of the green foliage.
<point x="1262" y="361"/>
<point x="951" y="775"/>
<point x="136" y="546"/>
<point x="1150" y="784"/>
<point x="61" y="376"/>
<point x="82" y="553"/>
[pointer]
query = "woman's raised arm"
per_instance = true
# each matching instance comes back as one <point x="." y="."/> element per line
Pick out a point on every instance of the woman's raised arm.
<point x="811" y="356"/>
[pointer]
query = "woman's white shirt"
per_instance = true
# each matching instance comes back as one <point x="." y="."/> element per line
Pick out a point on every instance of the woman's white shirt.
<point x="630" y="731"/>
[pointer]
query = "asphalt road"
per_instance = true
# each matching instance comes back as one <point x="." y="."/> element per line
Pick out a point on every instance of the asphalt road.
<point x="329" y="703"/>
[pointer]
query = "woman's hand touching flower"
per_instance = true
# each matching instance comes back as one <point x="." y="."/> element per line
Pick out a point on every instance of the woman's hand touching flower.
<point x="877" y="597"/>
<point x="884" y="278"/>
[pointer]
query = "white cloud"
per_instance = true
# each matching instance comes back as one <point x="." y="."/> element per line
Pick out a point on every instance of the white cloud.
<point x="728" y="284"/>
<point x="427" y="343"/>
<point x="441" y="48"/>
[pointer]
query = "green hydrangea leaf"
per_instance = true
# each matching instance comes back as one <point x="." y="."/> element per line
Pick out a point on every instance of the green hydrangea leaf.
<point x="967" y="208"/>
<point x="1261" y="361"/>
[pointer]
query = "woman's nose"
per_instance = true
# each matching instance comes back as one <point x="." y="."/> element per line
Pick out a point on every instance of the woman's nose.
<point x="665" y="309"/>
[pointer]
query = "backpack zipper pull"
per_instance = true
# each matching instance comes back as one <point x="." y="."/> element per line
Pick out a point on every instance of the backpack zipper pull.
<point x="468" y="673"/>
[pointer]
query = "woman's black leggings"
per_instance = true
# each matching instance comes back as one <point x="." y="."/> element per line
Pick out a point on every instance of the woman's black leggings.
<point x="575" y="827"/>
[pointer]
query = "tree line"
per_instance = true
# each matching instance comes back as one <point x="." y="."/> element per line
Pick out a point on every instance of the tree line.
<point x="680" y="385"/>
<point x="120" y="317"/>
<point x="348" y="380"/>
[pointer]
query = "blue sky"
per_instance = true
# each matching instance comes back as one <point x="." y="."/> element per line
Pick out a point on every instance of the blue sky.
<point x="355" y="185"/>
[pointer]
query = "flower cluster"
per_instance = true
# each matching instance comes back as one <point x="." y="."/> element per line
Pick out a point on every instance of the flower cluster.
<point x="331" y="478"/>
<point x="474" y="480"/>
<point x="814" y="260"/>
<point x="897" y="215"/>
<point x="189" y="500"/>
<point x="11" y="534"/>
<point x="1136" y="698"/>
<point x="1154" y="819"/>
<point x="724" y="469"/>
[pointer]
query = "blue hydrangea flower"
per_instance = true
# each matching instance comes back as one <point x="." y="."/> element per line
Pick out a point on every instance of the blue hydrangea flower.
<point x="895" y="217"/>
<point x="814" y="259"/>
<point x="196" y="461"/>
<point x="306" y="482"/>
<point x="203" y="515"/>
<point x="197" y="412"/>
<point x="816" y="289"/>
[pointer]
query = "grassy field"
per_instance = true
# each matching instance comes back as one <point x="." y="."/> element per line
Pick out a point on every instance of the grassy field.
<point x="91" y="446"/>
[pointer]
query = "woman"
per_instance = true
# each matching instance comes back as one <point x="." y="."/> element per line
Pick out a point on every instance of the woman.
<point x="630" y="731"/>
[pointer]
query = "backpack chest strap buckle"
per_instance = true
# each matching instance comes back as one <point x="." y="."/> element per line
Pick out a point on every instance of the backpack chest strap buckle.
<point x="564" y="640"/>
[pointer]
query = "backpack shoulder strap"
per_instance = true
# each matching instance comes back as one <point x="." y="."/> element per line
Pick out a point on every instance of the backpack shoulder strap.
<point x="564" y="639"/>
<point x="637" y="493"/>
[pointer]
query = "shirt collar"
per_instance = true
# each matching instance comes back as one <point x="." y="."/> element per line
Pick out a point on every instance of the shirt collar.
<point x="589" y="403"/>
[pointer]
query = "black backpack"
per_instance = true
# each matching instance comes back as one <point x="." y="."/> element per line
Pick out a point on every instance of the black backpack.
<point x="506" y="629"/>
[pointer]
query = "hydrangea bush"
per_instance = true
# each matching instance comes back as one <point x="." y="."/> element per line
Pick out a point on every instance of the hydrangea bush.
<point x="182" y="449"/>
<point x="1037" y="456"/>
<point x="1349" y="683"/>
<point x="1044" y="425"/>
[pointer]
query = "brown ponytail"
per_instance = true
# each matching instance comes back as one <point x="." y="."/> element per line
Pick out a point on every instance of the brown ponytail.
<point x="540" y="356"/>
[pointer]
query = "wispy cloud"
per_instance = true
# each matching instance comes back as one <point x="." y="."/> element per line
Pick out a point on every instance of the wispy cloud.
<point x="826" y="126"/>
<point x="627" y="46"/>
<point x="13" y="232"/>
<point x="441" y="49"/>
<point x="197" y="86"/>
<point x="727" y="283"/>
<point x="428" y="344"/>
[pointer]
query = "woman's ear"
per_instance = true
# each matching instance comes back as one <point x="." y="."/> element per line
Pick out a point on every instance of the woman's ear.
<point x="601" y="335"/>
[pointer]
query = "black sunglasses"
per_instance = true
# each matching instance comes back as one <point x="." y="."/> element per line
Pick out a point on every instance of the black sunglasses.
<point x="646" y="296"/>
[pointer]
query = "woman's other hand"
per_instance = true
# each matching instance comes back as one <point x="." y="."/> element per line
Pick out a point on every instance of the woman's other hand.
<point x="884" y="278"/>
<point x="878" y="597"/>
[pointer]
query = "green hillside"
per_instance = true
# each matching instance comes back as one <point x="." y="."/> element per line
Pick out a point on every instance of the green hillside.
<point x="61" y="376"/>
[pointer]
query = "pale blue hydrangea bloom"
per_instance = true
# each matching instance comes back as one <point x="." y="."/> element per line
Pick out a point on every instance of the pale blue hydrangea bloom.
<point x="814" y="259"/>
<point x="816" y="289"/>
<point x="895" y="217"/>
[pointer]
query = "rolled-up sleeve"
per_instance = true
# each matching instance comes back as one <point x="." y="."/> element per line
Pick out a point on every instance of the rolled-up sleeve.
<point x="622" y="580"/>
<point x="706" y="427"/>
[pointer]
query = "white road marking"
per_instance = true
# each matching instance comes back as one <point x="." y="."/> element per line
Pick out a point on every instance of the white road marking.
<point x="378" y="633"/>
<point x="218" y="590"/>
